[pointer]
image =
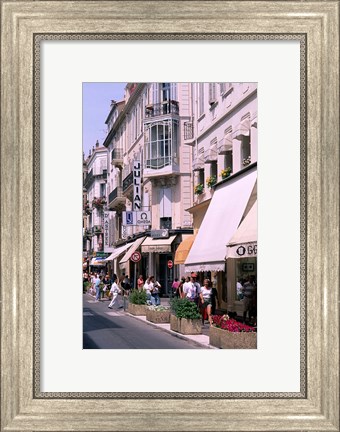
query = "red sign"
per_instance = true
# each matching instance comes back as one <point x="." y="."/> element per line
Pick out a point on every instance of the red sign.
<point x="170" y="264"/>
<point x="136" y="256"/>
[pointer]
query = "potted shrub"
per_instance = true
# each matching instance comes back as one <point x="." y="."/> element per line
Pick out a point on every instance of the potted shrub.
<point x="227" y="333"/>
<point x="198" y="189"/>
<point x="185" y="317"/>
<point x="158" y="314"/>
<point x="225" y="173"/>
<point x="98" y="203"/>
<point x="211" y="181"/>
<point x="246" y="161"/>
<point x="137" y="302"/>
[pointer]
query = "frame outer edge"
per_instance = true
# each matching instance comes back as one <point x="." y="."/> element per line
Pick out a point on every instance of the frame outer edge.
<point x="9" y="223"/>
<point x="14" y="332"/>
<point x="330" y="208"/>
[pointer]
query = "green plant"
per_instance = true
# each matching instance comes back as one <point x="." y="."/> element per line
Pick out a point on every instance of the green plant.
<point x="86" y="286"/>
<point x="184" y="308"/>
<point x="137" y="297"/>
<point x="211" y="181"/>
<point x="198" y="189"/>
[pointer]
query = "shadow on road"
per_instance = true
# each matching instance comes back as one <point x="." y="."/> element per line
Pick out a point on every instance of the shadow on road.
<point x="93" y="321"/>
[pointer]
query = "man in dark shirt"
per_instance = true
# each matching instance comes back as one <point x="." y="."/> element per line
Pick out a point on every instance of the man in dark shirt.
<point x="248" y="291"/>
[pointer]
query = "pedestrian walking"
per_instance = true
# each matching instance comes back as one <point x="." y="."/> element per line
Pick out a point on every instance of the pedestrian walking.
<point x="248" y="291"/>
<point x="115" y="290"/>
<point x="107" y="283"/>
<point x="126" y="284"/>
<point x="97" y="281"/>
<point x="180" y="287"/>
<point x="155" y="293"/>
<point x="140" y="282"/>
<point x="197" y="288"/>
<point x="175" y="285"/>
<point x="205" y="298"/>
<point x="189" y="289"/>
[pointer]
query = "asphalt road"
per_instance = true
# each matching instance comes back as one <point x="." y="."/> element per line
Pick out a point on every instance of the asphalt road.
<point x="105" y="328"/>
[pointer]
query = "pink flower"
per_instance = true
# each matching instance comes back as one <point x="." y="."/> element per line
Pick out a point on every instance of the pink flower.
<point x="225" y="323"/>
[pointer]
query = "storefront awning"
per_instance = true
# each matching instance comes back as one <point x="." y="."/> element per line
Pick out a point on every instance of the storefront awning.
<point x="183" y="249"/>
<point x="119" y="250"/>
<point x="220" y="223"/>
<point x="157" y="245"/>
<point x="134" y="246"/>
<point x="243" y="244"/>
<point x="98" y="261"/>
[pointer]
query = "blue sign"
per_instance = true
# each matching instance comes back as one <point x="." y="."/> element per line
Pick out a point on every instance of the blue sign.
<point x="129" y="218"/>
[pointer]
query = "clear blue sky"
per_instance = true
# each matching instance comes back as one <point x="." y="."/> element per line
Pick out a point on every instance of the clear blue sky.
<point x="96" y="107"/>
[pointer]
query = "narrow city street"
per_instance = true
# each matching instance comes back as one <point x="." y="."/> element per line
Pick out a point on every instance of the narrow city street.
<point x="105" y="328"/>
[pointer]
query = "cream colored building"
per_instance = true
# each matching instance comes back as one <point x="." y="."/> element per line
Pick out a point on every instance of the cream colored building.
<point x="95" y="186"/>
<point x="145" y="143"/>
<point x="223" y="137"/>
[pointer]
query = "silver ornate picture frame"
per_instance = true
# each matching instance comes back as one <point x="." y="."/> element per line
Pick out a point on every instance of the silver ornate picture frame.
<point x="316" y="26"/>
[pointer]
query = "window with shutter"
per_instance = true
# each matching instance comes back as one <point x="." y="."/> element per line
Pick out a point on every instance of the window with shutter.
<point x="212" y="93"/>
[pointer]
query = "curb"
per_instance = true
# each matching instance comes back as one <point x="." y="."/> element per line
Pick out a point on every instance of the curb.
<point x="178" y="335"/>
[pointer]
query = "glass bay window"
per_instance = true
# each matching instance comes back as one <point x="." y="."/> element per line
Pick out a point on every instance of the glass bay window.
<point x="161" y="143"/>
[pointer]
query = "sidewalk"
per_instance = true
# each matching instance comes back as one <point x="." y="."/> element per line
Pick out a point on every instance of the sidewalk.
<point x="202" y="339"/>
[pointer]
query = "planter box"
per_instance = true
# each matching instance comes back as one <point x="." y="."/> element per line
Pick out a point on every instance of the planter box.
<point x="190" y="326"/>
<point x="174" y="323"/>
<point x="135" y="309"/>
<point x="158" y="316"/>
<point x="228" y="340"/>
<point x="185" y="326"/>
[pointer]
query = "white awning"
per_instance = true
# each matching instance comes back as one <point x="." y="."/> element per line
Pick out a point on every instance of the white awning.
<point x="119" y="250"/>
<point x="98" y="261"/>
<point x="157" y="245"/>
<point x="220" y="223"/>
<point x="243" y="244"/>
<point x="134" y="246"/>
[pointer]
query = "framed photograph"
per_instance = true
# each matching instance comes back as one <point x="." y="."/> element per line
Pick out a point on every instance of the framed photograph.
<point x="291" y="50"/>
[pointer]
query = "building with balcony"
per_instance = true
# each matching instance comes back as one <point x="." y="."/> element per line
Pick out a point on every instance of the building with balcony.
<point x="147" y="129"/>
<point x="94" y="184"/>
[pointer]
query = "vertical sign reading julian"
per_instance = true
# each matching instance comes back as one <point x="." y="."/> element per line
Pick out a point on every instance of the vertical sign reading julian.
<point x="137" y="186"/>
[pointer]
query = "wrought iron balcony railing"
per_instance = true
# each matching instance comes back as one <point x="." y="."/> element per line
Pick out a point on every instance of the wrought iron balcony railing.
<point x="127" y="181"/>
<point x="163" y="108"/>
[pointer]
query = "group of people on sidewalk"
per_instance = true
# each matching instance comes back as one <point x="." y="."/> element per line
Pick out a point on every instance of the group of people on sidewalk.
<point x="151" y="287"/>
<point x="204" y="296"/>
<point x="114" y="286"/>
